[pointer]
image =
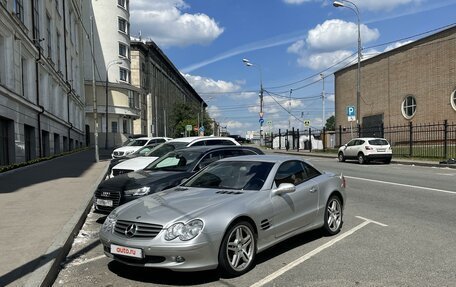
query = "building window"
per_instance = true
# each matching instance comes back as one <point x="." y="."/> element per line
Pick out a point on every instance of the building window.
<point x="409" y="107"/>
<point x="124" y="123"/>
<point x="123" y="50"/>
<point x="2" y="60"/>
<point x="123" y="25"/>
<point x="123" y="3"/>
<point x="19" y="9"/>
<point x="24" y="77"/>
<point x="453" y="99"/>
<point x="36" y="24"/>
<point x="58" y="52"/>
<point x="49" y="36"/>
<point x="114" y="127"/>
<point x="123" y="74"/>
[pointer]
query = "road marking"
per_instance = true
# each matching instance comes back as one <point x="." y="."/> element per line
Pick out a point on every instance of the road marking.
<point x="314" y="252"/>
<point x="401" y="184"/>
<point x="373" y="221"/>
<point x="78" y="263"/>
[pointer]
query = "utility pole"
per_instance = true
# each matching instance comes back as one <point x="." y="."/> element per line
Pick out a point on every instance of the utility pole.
<point x="289" y="111"/>
<point x="323" y="100"/>
<point x="95" y="116"/>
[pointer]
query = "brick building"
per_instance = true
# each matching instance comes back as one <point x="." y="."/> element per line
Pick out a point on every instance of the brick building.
<point x="415" y="83"/>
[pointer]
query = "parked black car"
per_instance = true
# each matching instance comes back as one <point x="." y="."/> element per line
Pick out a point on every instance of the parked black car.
<point x="166" y="172"/>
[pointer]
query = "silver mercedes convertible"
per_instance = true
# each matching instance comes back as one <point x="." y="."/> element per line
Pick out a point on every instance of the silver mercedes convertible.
<point x="225" y="214"/>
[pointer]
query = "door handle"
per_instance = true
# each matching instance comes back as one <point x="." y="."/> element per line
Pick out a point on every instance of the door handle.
<point x="313" y="189"/>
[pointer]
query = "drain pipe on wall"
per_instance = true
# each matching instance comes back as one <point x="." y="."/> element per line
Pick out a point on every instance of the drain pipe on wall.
<point x="66" y="74"/>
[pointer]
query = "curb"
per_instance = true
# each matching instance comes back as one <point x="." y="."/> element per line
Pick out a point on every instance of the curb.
<point x="404" y="162"/>
<point x="61" y="246"/>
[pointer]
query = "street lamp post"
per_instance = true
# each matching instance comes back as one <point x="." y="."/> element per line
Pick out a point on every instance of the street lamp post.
<point x="358" y="71"/>
<point x="250" y="64"/>
<point x="323" y="100"/>
<point x="106" y="83"/>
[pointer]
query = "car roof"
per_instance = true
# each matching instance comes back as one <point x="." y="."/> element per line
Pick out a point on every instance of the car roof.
<point x="369" y="139"/>
<point x="217" y="147"/>
<point x="150" y="138"/>
<point x="196" y="138"/>
<point x="265" y="158"/>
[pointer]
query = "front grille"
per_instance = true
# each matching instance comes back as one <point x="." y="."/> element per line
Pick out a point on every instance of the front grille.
<point x="143" y="230"/>
<point x="113" y="195"/>
<point x="116" y="172"/>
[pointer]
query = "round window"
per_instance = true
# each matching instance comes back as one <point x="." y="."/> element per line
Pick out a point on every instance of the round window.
<point x="409" y="107"/>
<point x="453" y="99"/>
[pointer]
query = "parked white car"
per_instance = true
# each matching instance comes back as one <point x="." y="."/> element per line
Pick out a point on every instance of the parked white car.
<point x="141" y="162"/>
<point x="366" y="149"/>
<point x="133" y="146"/>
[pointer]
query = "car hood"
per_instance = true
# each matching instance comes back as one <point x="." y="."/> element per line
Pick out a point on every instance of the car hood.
<point x="179" y="204"/>
<point x="154" y="179"/>
<point x="136" y="163"/>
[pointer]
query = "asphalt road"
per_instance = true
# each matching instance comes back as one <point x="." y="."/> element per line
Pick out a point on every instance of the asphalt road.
<point x="399" y="230"/>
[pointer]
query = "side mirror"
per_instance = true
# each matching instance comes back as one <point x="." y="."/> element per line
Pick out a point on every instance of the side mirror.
<point x="284" y="188"/>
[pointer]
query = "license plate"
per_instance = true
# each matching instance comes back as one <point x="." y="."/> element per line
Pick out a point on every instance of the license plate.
<point x="381" y="149"/>
<point x="104" y="202"/>
<point x="126" y="251"/>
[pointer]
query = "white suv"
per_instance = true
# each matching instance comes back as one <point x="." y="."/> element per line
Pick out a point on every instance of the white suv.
<point x="141" y="162"/>
<point x="366" y="149"/>
<point x="133" y="146"/>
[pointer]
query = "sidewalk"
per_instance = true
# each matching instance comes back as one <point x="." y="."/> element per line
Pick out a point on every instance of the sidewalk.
<point x="42" y="207"/>
<point x="394" y="160"/>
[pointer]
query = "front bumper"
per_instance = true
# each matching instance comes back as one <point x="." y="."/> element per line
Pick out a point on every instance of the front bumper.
<point x="199" y="255"/>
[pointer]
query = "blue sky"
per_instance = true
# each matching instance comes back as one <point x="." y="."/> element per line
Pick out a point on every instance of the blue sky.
<point x="289" y="42"/>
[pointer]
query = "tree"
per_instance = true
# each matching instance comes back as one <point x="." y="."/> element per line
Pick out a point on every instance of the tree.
<point x="330" y="124"/>
<point x="184" y="114"/>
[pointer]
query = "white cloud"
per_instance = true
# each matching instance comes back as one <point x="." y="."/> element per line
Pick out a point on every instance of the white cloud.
<point x="214" y="111"/>
<point x="329" y="43"/>
<point x="244" y="95"/>
<point x="164" y="22"/>
<point x="396" y="45"/>
<point x="208" y="85"/>
<point x="296" y="1"/>
<point x="337" y="34"/>
<point x="384" y="5"/>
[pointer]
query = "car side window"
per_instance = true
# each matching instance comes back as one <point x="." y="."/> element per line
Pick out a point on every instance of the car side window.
<point x="310" y="171"/>
<point x="213" y="142"/>
<point x="351" y="143"/>
<point x="200" y="143"/>
<point x="226" y="142"/>
<point x="160" y="140"/>
<point x="210" y="158"/>
<point x="290" y="172"/>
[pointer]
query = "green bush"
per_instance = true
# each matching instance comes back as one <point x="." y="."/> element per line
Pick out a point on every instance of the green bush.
<point x="37" y="160"/>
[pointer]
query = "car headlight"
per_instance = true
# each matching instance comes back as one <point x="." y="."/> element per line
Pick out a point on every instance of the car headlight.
<point x="138" y="191"/>
<point x="110" y="222"/>
<point x="185" y="231"/>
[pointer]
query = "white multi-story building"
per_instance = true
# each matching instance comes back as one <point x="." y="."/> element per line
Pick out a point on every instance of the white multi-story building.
<point x="117" y="101"/>
<point x="41" y="88"/>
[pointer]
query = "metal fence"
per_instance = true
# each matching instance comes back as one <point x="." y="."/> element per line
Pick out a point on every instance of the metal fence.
<point x="433" y="140"/>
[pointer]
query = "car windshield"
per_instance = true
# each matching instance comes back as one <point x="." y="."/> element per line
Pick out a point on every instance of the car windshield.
<point x="175" y="161"/>
<point x="378" y="142"/>
<point x="165" y="148"/>
<point x="137" y="143"/>
<point x="239" y="175"/>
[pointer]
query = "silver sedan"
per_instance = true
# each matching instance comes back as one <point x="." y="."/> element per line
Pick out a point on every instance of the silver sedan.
<point x="225" y="214"/>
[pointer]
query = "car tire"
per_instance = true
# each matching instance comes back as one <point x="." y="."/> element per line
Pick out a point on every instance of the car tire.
<point x="361" y="158"/>
<point x="333" y="216"/>
<point x="238" y="249"/>
<point x="341" y="157"/>
<point x="387" y="161"/>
